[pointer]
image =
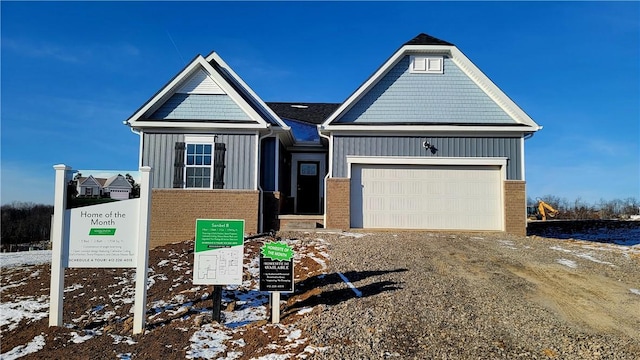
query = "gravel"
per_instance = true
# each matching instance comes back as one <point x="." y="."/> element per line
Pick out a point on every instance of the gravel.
<point x="476" y="296"/>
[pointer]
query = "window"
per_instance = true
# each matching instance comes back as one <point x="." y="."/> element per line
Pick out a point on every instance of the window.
<point x="427" y="65"/>
<point x="198" y="166"/>
<point x="199" y="163"/>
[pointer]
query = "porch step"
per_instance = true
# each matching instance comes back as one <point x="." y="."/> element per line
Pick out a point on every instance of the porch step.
<point x="300" y="222"/>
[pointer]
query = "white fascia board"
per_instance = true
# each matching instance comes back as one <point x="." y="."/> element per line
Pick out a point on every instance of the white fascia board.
<point x="472" y="71"/>
<point x="412" y="129"/>
<point x="167" y="90"/>
<point x="404" y="160"/>
<point x="215" y="57"/>
<point x="233" y="94"/>
<point x="381" y="72"/>
<point x="492" y="90"/>
<point x="197" y="125"/>
<point x="373" y="79"/>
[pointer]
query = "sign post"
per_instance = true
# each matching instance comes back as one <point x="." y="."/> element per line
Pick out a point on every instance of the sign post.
<point x="276" y="273"/>
<point x="142" y="252"/>
<point x="60" y="243"/>
<point x="218" y="256"/>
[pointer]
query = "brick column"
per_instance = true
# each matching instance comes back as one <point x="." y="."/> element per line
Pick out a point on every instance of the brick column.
<point x="515" y="207"/>
<point x="338" y="202"/>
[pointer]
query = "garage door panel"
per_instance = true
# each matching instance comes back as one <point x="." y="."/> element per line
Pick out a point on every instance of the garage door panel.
<point x="426" y="197"/>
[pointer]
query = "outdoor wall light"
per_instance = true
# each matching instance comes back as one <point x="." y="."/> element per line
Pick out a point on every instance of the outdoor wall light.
<point x="430" y="147"/>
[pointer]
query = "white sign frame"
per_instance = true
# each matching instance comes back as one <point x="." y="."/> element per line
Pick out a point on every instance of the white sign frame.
<point x="61" y="231"/>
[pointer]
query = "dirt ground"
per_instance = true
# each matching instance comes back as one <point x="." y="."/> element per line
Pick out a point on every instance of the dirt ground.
<point x="595" y="297"/>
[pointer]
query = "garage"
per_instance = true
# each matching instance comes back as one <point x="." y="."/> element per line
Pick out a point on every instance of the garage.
<point x="419" y="196"/>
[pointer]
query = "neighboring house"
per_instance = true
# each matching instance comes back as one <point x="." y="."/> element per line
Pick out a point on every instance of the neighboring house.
<point x="427" y="142"/>
<point x="116" y="187"/>
<point x="89" y="186"/>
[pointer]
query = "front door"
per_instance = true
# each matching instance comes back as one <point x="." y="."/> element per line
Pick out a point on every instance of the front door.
<point x="308" y="192"/>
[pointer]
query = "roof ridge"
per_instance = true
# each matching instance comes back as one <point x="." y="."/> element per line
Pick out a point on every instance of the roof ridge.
<point x="425" y="39"/>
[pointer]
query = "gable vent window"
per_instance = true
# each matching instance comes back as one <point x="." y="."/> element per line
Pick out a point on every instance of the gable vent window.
<point x="199" y="164"/>
<point x="426" y="65"/>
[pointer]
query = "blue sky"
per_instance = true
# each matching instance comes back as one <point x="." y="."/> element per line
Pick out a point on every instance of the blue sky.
<point x="71" y="72"/>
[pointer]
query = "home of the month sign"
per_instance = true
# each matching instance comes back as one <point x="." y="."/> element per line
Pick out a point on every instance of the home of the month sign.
<point x="276" y="267"/>
<point x="218" y="252"/>
<point x="101" y="220"/>
<point x="276" y="273"/>
<point x="103" y="235"/>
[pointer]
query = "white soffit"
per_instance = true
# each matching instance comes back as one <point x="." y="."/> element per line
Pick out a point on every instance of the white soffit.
<point x="215" y="57"/>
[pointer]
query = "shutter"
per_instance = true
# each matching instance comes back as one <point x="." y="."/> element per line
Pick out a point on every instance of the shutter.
<point x="178" y="165"/>
<point x="218" y="165"/>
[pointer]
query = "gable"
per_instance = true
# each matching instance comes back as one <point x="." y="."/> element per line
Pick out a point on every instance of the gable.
<point x="441" y="91"/>
<point x="407" y="97"/>
<point x="200" y="83"/>
<point x="183" y="107"/>
<point x="117" y="181"/>
<point x="204" y="95"/>
<point x="89" y="181"/>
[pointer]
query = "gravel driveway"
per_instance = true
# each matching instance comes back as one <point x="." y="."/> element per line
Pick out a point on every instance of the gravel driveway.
<point x="477" y="296"/>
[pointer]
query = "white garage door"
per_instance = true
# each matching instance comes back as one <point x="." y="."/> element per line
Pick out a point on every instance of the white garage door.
<point x="465" y="197"/>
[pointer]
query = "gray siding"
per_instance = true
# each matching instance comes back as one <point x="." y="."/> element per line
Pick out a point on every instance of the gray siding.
<point x="412" y="146"/>
<point x="158" y="152"/>
<point x="404" y="97"/>
<point x="268" y="164"/>
<point x="200" y="107"/>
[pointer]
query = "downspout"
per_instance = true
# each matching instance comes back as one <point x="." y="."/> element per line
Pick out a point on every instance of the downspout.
<point x="260" y="191"/>
<point x="140" y="147"/>
<point x="329" y="173"/>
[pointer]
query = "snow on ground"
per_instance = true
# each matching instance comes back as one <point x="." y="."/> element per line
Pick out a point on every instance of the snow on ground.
<point x="210" y="341"/>
<point x="33" y="346"/>
<point x="25" y="258"/>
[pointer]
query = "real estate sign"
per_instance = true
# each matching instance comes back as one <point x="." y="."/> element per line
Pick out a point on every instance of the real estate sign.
<point x="104" y="235"/>
<point x="218" y="252"/>
<point x="104" y="219"/>
<point x="276" y="267"/>
<point x="100" y="220"/>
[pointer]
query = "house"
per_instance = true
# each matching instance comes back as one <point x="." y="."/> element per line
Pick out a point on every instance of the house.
<point x="426" y="142"/>
<point x="89" y="186"/>
<point x="115" y="187"/>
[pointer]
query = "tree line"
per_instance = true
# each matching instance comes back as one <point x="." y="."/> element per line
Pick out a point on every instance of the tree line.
<point x="617" y="209"/>
<point x="24" y="223"/>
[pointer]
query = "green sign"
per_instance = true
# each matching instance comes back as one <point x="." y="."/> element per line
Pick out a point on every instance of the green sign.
<point x="219" y="252"/>
<point x="214" y="234"/>
<point x="277" y="251"/>
<point x="102" y="231"/>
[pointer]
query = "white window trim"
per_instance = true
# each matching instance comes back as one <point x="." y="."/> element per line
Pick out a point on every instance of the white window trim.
<point x="428" y="60"/>
<point x="199" y="140"/>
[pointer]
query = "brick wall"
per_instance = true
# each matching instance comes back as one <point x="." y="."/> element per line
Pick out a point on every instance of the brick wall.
<point x="515" y="207"/>
<point x="174" y="211"/>
<point x="338" y="197"/>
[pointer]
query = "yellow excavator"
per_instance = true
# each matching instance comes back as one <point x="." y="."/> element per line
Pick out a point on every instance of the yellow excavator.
<point x="541" y="211"/>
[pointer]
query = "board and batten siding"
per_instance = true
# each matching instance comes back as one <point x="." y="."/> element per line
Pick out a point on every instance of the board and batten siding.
<point x="508" y="147"/>
<point x="158" y="151"/>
